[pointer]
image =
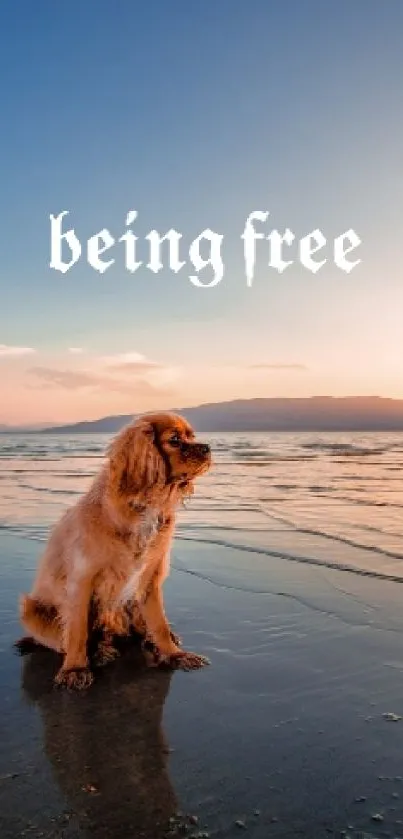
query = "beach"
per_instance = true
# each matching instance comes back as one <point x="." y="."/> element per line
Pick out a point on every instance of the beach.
<point x="285" y="734"/>
<point x="294" y="730"/>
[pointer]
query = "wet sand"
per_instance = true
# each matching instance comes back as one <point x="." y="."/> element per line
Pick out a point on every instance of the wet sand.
<point x="285" y="735"/>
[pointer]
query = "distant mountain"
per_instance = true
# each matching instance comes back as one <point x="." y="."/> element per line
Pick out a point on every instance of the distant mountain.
<point x="318" y="413"/>
<point x="21" y="429"/>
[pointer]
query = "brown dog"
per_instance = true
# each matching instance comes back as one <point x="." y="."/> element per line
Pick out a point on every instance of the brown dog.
<point x="107" y="558"/>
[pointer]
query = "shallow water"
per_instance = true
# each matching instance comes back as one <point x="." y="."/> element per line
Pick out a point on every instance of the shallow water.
<point x="327" y="499"/>
<point x="287" y="732"/>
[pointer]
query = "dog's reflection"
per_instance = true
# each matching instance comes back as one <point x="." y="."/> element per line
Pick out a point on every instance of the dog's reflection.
<point x="106" y="746"/>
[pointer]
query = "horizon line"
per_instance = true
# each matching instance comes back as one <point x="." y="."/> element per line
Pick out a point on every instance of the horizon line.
<point x="49" y="424"/>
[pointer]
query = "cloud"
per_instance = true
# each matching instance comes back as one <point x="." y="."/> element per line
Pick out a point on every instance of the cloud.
<point x="86" y="380"/>
<point x="134" y="365"/>
<point x="136" y="368"/>
<point x="126" y="373"/>
<point x="132" y="362"/>
<point x="67" y="379"/>
<point x="76" y="350"/>
<point x="279" y="366"/>
<point x="125" y="358"/>
<point x="14" y="352"/>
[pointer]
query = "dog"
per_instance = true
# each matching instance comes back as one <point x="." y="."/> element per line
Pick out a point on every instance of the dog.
<point x="107" y="558"/>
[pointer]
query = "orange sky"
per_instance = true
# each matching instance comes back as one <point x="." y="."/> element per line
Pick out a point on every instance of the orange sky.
<point x="76" y="385"/>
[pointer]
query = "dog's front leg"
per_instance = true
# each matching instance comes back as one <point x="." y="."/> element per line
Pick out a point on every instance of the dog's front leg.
<point x="158" y="628"/>
<point x="156" y="565"/>
<point x="140" y="627"/>
<point x="155" y="620"/>
<point x="75" y="672"/>
<point x="151" y="602"/>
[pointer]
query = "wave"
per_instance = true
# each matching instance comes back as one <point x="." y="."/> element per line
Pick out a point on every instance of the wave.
<point x="251" y="452"/>
<point x="383" y="531"/>
<point x="343" y="488"/>
<point x="33" y="532"/>
<point x="49" y="490"/>
<point x="347" y="449"/>
<point x="40" y="533"/>
<point x="333" y="537"/>
<point x="360" y="502"/>
<point x="303" y="560"/>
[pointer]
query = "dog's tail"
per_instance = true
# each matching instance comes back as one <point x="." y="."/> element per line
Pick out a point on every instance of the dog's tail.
<point x="42" y="622"/>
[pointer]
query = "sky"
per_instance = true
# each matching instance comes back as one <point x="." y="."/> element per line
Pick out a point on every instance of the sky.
<point x="196" y="115"/>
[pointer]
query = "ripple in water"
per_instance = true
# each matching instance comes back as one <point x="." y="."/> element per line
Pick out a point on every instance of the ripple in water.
<point x="309" y="490"/>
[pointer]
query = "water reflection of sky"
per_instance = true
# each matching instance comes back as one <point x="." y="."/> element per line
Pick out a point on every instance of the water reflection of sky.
<point x="344" y="487"/>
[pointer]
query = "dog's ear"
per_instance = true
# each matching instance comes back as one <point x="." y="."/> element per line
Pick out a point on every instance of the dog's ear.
<point x="136" y="465"/>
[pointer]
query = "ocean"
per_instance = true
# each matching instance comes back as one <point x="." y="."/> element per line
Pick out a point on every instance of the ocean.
<point x="332" y="500"/>
<point x="296" y="728"/>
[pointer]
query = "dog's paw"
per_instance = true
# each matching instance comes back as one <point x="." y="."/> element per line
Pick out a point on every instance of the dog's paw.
<point x="74" y="678"/>
<point x="187" y="661"/>
<point x="105" y="654"/>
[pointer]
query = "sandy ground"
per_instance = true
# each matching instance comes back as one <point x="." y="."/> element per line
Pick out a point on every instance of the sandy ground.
<point x="294" y="730"/>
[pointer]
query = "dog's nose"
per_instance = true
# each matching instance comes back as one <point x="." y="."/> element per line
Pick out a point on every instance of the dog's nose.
<point x="205" y="448"/>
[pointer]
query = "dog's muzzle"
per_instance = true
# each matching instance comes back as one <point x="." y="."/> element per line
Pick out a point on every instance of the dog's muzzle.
<point x="196" y="451"/>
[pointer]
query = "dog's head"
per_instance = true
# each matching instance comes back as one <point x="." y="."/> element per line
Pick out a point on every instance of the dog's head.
<point x="155" y="451"/>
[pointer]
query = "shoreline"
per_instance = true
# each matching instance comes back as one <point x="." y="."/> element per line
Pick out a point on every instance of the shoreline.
<point x="286" y="734"/>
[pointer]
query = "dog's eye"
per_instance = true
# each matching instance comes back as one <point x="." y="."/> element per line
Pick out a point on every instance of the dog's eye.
<point x="175" y="440"/>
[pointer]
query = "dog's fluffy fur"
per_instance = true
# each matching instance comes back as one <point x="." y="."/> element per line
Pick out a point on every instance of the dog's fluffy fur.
<point x="107" y="558"/>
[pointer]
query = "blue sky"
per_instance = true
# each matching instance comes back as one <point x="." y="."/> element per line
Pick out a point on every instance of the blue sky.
<point x="195" y="114"/>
